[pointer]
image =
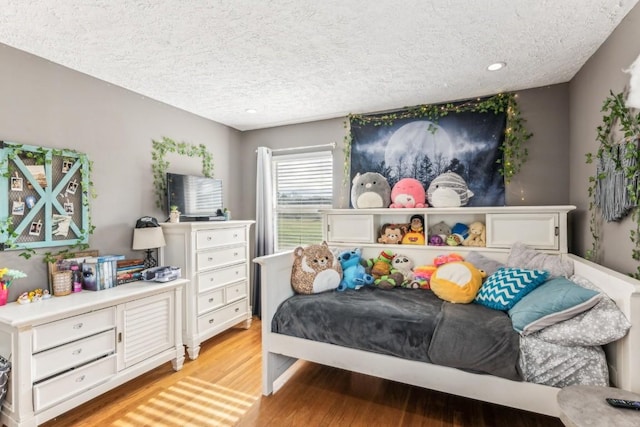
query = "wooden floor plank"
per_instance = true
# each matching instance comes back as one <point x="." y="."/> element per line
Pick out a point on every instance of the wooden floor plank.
<point x="222" y="388"/>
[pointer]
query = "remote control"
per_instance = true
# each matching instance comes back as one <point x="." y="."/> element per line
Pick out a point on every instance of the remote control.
<point x="622" y="403"/>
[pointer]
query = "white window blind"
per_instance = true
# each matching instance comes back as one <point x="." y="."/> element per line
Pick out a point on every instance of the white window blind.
<point x="303" y="186"/>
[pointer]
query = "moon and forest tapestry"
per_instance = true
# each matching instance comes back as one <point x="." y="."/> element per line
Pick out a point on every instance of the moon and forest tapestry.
<point x="467" y="143"/>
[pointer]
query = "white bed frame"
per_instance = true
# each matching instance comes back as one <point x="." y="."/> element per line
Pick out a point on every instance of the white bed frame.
<point x="280" y="352"/>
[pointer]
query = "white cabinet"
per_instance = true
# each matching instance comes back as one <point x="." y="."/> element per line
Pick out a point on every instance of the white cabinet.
<point x="539" y="227"/>
<point x="68" y="350"/>
<point x="214" y="256"/>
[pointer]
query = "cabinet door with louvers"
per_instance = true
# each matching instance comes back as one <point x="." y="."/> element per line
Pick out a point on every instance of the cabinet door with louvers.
<point x="145" y="329"/>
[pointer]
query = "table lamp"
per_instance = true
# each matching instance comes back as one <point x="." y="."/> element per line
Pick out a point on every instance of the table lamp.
<point x="147" y="239"/>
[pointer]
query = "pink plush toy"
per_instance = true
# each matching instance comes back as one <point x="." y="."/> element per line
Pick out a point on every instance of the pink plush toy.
<point x="408" y="193"/>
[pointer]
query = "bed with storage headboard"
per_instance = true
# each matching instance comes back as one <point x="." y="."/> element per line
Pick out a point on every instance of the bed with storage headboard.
<point x="281" y="351"/>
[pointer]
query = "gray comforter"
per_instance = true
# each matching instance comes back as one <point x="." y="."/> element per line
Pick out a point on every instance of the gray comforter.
<point x="407" y="323"/>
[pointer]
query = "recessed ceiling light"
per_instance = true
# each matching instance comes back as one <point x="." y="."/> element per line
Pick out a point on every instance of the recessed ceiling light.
<point x="251" y="110"/>
<point x="496" y="66"/>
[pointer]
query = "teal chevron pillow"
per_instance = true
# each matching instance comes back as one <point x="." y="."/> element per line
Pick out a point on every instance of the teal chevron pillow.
<point x="508" y="285"/>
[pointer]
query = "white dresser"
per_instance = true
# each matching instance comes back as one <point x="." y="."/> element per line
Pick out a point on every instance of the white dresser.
<point x="214" y="256"/>
<point x="68" y="350"/>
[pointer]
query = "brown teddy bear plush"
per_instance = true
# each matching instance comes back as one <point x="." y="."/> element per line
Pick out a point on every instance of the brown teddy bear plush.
<point x="315" y="269"/>
<point x="391" y="234"/>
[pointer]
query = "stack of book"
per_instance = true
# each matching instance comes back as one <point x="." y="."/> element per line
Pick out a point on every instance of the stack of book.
<point x="100" y="272"/>
<point x="129" y="270"/>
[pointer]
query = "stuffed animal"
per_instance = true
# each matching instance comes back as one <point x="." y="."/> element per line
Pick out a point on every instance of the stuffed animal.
<point x="370" y="190"/>
<point x="436" y="240"/>
<point x="459" y="232"/>
<point x="408" y="193"/>
<point x="477" y="235"/>
<point x="403" y="265"/>
<point x="421" y="276"/>
<point x="448" y="190"/>
<point x="391" y="234"/>
<point x="415" y="233"/>
<point x="384" y="276"/>
<point x="446" y="258"/>
<point x="441" y="230"/>
<point x="457" y="282"/>
<point x="315" y="269"/>
<point x="354" y="275"/>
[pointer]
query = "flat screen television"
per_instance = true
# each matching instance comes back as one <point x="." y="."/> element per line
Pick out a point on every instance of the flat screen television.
<point x="198" y="198"/>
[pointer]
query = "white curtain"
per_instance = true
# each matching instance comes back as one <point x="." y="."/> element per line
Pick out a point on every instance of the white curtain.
<point x="264" y="219"/>
<point x="633" y="100"/>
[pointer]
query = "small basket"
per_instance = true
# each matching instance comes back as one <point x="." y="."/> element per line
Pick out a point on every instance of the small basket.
<point x="62" y="283"/>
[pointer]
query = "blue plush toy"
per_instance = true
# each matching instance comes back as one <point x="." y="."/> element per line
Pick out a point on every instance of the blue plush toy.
<point x="354" y="275"/>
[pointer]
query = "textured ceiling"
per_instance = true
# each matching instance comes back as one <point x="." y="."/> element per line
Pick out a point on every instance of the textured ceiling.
<point x="302" y="60"/>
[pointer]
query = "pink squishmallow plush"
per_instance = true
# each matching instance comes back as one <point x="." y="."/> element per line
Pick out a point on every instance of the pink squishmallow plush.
<point x="408" y="193"/>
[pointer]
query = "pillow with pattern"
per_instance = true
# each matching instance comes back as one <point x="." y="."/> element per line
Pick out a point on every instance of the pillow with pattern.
<point x="508" y="285"/>
<point x="602" y="324"/>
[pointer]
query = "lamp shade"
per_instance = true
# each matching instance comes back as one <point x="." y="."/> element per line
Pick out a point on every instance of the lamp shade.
<point x="148" y="238"/>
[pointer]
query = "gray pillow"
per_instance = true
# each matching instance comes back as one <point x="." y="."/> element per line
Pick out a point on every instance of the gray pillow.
<point x="482" y="262"/>
<point x="524" y="257"/>
<point x="602" y="324"/>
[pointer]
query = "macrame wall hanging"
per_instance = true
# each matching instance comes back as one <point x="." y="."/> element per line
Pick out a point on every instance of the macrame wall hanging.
<point x="612" y="194"/>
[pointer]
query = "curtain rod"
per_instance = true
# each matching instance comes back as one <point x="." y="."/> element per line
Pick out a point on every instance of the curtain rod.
<point x="309" y="147"/>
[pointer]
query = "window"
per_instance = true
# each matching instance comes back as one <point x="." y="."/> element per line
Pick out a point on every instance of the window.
<point x="303" y="184"/>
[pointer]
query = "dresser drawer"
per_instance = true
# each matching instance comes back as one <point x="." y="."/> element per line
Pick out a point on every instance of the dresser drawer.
<point x="221" y="277"/>
<point x="220" y="257"/>
<point x="72" y="328"/>
<point x="210" y="300"/>
<point x="72" y="383"/>
<point x="74" y="354"/>
<point x="223" y="236"/>
<point x="236" y="291"/>
<point x="236" y="311"/>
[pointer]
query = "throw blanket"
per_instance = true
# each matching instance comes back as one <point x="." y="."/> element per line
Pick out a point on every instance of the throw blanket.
<point x="407" y="323"/>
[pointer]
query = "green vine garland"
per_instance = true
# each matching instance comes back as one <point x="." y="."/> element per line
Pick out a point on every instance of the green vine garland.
<point x="616" y="117"/>
<point x="514" y="152"/>
<point x="160" y="165"/>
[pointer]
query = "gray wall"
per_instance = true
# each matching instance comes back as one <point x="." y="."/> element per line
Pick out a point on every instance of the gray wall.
<point x="588" y="90"/>
<point x="543" y="180"/>
<point x="47" y="105"/>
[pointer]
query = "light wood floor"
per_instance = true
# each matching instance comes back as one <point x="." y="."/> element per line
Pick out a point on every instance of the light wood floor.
<point x="222" y="388"/>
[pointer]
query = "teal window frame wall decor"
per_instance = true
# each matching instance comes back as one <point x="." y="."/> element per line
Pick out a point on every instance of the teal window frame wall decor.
<point x="68" y="183"/>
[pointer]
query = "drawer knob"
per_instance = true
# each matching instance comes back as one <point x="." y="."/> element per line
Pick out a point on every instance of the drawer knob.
<point x="237" y="309"/>
<point x="235" y="235"/>
<point x="209" y="259"/>
<point x="210" y="299"/>
<point x="77" y="352"/>
<point x="211" y="320"/>
<point x="80" y="379"/>
<point x="78" y="325"/>
<point x="209" y="238"/>
<point x="235" y="254"/>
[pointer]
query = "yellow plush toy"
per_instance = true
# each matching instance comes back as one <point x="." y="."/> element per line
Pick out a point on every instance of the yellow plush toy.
<point x="457" y="281"/>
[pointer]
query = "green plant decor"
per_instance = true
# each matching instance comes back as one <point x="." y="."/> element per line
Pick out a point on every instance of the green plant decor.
<point x="616" y="117"/>
<point x="514" y="151"/>
<point x="44" y="156"/>
<point x="160" y="165"/>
